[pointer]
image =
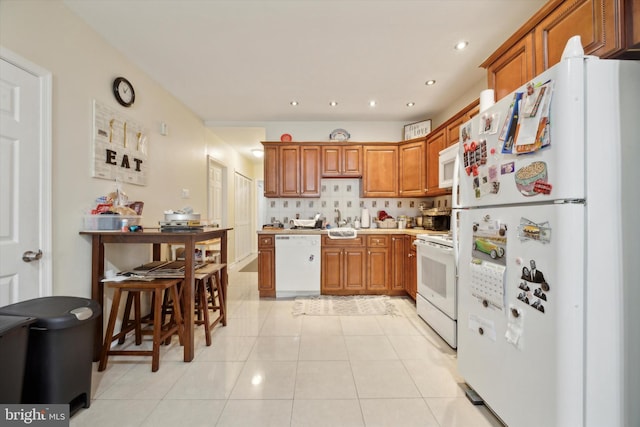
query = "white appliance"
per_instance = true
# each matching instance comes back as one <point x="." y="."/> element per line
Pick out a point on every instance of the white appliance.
<point x="297" y="265"/>
<point x="436" y="301"/>
<point x="446" y="166"/>
<point x="547" y="288"/>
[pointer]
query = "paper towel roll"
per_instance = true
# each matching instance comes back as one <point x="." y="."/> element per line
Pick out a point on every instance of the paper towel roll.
<point x="365" y="219"/>
<point x="487" y="99"/>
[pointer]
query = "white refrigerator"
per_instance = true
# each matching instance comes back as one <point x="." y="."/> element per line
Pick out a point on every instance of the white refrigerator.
<point x="548" y="248"/>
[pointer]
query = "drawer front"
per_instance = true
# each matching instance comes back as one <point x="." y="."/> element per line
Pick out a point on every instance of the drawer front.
<point x="266" y="241"/>
<point x="377" y="241"/>
<point x="343" y="243"/>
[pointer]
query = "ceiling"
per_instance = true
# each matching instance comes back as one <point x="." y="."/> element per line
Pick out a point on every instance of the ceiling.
<point x="239" y="63"/>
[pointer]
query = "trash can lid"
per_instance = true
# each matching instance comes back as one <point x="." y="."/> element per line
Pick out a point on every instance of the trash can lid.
<point x="57" y="312"/>
<point x="8" y="323"/>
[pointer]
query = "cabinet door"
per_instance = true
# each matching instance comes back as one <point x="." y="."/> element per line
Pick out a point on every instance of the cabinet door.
<point x="411" y="268"/>
<point x="352" y="161"/>
<point x="378" y="269"/>
<point x="397" y="263"/>
<point x="267" y="272"/>
<point x="332" y="270"/>
<point x="331" y="162"/>
<point x="595" y="21"/>
<point x="380" y="177"/>
<point x="310" y="171"/>
<point x="289" y="171"/>
<point x="271" y="171"/>
<point x="512" y="69"/>
<point x="355" y="263"/>
<point x="413" y="169"/>
<point x="435" y="144"/>
<point x="453" y="130"/>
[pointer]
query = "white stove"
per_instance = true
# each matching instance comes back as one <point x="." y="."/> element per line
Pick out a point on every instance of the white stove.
<point x="436" y="301"/>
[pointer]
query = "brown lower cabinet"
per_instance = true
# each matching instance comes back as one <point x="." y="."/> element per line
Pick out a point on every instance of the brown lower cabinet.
<point x="266" y="266"/>
<point x="343" y="270"/>
<point x="368" y="264"/>
<point x="411" y="267"/>
<point x="398" y="255"/>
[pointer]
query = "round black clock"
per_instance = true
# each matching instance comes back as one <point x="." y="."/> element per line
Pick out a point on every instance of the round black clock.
<point x="123" y="91"/>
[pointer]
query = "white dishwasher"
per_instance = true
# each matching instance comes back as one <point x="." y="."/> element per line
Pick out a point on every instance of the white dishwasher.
<point x="297" y="265"/>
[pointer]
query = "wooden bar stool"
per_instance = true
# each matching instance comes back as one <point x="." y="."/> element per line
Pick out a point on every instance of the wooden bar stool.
<point x="161" y="331"/>
<point x="208" y="289"/>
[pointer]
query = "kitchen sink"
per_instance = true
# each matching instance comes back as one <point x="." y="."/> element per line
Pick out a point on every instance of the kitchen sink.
<point x="342" y="233"/>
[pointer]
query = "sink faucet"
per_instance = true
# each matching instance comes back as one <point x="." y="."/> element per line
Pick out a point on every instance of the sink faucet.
<point x="339" y="220"/>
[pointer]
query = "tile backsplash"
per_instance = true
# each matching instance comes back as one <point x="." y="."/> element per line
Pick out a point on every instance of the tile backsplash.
<point x="344" y="195"/>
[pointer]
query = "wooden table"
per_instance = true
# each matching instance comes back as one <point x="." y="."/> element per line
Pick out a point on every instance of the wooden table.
<point x="156" y="238"/>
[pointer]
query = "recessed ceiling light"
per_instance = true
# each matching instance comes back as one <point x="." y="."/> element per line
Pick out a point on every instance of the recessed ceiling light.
<point x="461" y="45"/>
<point x="430" y="82"/>
<point x="293" y="103"/>
<point x="257" y="153"/>
<point x="372" y="103"/>
<point x="333" y="103"/>
<point x="410" y="104"/>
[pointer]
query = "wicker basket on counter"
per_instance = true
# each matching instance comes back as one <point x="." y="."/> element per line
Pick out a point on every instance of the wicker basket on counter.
<point x="387" y="223"/>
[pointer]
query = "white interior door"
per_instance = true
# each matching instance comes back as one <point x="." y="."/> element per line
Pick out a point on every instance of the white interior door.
<point x="242" y="226"/>
<point x="25" y="174"/>
<point x="216" y="192"/>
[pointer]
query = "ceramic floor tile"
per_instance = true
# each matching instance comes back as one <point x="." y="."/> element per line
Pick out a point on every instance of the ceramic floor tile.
<point x="206" y="380"/>
<point x="192" y="413"/>
<point x="324" y="413"/>
<point x="397" y="325"/>
<point x="330" y="379"/>
<point x="321" y="347"/>
<point x="265" y="379"/>
<point x="360" y="325"/>
<point x="459" y="412"/>
<point x="240" y="327"/>
<point x="281" y="325"/>
<point x="267" y="413"/>
<point x="397" y="412"/>
<point x="414" y="347"/>
<point x="374" y="347"/>
<point x="226" y="348"/>
<point x="275" y="348"/>
<point x="383" y="379"/>
<point x="435" y="379"/>
<point x="101" y="381"/>
<point x="114" y="413"/>
<point x="325" y="380"/>
<point x="321" y="325"/>
<point x="140" y="383"/>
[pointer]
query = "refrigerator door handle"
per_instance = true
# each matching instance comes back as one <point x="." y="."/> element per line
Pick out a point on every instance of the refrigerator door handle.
<point x="456" y="179"/>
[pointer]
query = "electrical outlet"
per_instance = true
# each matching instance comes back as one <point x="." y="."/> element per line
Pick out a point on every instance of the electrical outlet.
<point x="185" y="193"/>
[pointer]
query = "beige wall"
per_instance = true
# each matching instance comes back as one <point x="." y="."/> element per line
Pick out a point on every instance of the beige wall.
<point x="83" y="67"/>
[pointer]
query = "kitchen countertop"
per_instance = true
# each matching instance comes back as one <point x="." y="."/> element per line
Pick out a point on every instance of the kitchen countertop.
<point x="312" y="231"/>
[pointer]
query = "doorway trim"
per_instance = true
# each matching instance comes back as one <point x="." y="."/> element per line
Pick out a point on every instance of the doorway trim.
<point x="45" y="164"/>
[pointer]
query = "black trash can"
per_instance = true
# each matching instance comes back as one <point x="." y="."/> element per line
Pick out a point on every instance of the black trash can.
<point x="60" y="350"/>
<point x="14" y="336"/>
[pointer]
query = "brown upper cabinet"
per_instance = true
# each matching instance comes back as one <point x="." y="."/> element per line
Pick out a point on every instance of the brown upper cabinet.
<point x="342" y="161"/>
<point x="380" y="175"/>
<point x="291" y="170"/>
<point x="607" y="28"/>
<point x="413" y="169"/>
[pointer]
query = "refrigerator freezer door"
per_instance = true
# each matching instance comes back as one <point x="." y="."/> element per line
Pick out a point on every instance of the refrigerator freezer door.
<point x="491" y="171"/>
<point x="520" y="312"/>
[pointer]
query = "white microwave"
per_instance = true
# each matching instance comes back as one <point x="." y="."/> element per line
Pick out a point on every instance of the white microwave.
<point x="446" y="166"/>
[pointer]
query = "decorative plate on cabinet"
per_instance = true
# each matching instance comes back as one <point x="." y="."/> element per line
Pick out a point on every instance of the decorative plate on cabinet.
<point x="339" y="135"/>
<point x="285" y="137"/>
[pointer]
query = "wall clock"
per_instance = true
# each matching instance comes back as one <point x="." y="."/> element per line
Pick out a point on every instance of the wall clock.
<point x="123" y="91"/>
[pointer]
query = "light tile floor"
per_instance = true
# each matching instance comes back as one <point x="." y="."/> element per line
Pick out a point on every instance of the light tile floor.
<point x="269" y="368"/>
